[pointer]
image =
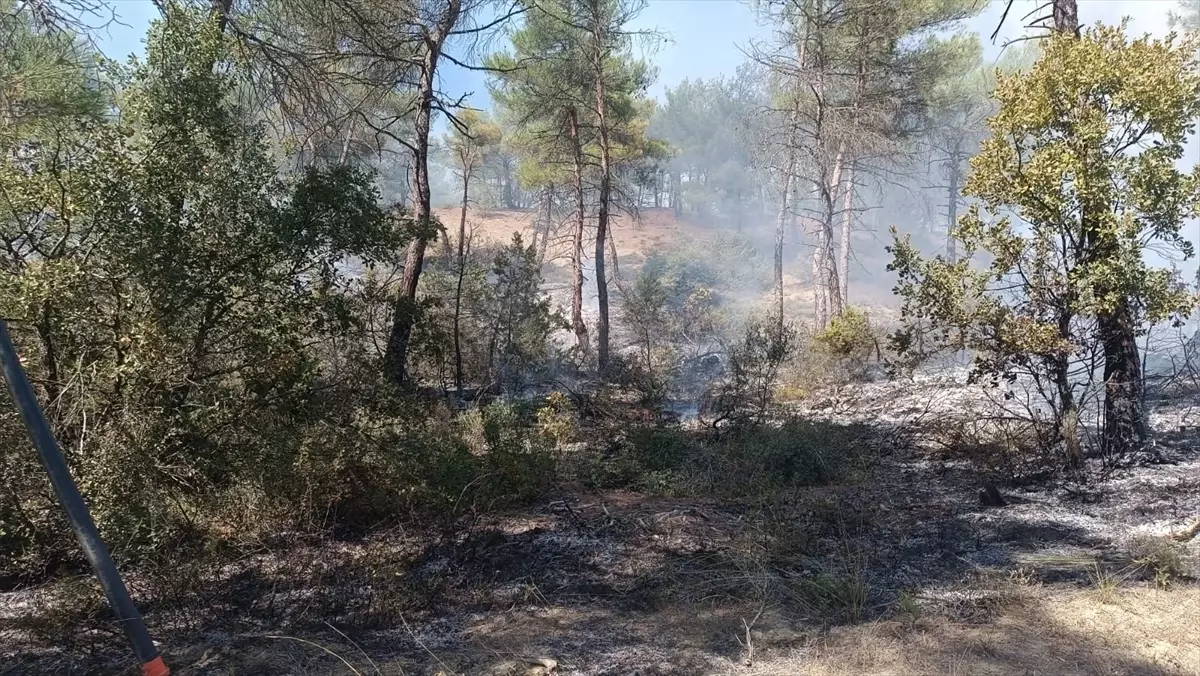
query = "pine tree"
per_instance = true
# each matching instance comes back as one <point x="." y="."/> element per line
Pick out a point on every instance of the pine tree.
<point x="573" y="83"/>
<point x="472" y="138"/>
<point x="541" y="87"/>
<point x="848" y="78"/>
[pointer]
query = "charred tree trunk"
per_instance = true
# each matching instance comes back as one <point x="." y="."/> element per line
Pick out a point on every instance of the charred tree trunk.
<point x="577" y="324"/>
<point x="404" y="312"/>
<point x="1125" y="428"/>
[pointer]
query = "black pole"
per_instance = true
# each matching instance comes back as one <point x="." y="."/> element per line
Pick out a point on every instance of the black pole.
<point x="81" y="521"/>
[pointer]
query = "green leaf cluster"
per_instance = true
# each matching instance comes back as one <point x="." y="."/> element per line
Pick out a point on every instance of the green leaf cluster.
<point x="1076" y="184"/>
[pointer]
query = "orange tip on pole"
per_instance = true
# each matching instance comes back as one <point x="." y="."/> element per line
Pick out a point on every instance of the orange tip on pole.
<point x="156" y="667"/>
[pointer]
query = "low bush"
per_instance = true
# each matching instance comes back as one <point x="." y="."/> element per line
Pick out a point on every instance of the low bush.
<point x="763" y="460"/>
<point x="746" y="394"/>
<point x="759" y="460"/>
<point x="851" y="341"/>
<point x="1008" y="447"/>
<point x="1165" y="558"/>
<point x="848" y="350"/>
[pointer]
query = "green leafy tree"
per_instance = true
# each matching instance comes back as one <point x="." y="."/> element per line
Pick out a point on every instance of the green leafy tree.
<point x="521" y="317"/>
<point x="616" y="79"/>
<point x="167" y="286"/>
<point x="1078" y="179"/>
<point x="705" y="121"/>
<point x="846" y="80"/>
<point x="958" y="102"/>
<point x="1188" y="16"/>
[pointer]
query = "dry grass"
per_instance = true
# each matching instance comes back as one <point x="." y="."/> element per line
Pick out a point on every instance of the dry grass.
<point x="1039" y="630"/>
<point x="656" y="229"/>
<point x="1141" y="631"/>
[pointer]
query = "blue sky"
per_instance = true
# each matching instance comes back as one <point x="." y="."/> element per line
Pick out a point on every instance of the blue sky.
<point x="704" y="37"/>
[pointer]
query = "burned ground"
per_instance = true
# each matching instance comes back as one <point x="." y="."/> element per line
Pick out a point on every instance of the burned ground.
<point x="900" y="570"/>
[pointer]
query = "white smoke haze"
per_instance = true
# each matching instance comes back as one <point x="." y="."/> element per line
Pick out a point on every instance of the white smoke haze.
<point x="710" y="41"/>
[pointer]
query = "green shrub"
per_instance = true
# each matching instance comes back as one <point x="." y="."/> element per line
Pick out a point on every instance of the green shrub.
<point x="850" y="342"/>
<point x="556" y="421"/>
<point x="518" y="459"/>
<point x="608" y="472"/>
<point x="755" y="362"/>
<point x="848" y="335"/>
<point x="659" y="448"/>
<point x="752" y="460"/>
<point x="768" y="458"/>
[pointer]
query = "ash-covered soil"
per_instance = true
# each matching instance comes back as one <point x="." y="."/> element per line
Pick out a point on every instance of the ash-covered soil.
<point x="608" y="583"/>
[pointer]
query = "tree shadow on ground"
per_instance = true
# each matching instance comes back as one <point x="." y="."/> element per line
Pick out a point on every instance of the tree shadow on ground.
<point x="610" y="582"/>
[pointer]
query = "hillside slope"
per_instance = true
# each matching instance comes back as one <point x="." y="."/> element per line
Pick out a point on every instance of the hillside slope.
<point x="659" y="229"/>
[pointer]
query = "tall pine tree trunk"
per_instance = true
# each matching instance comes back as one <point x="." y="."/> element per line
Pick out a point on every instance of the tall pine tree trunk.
<point x="509" y="202"/>
<point x="952" y="202"/>
<point x="1066" y="16"/>
<point x="820" y="297"/>
<point x="577" y="324"/>
<point x="847" y="225"/>
<point x="839" y="302"/>
<point x="602" y="211"/>
<point x="779" y="240"/>
<point x="824" y="260"/>
<point x="788" y="176"/>
<point x="677" y="194"/>
<point x="404" y="312"/>
<point x="458" y="286"/>
<point x="547" y="227"/>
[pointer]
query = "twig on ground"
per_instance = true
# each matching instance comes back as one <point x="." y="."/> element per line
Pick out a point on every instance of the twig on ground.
<point x="318" y="645"/>
<point x="749" y="642"/>
<point x="360" y="649"/>
<point x="449" y="671"/>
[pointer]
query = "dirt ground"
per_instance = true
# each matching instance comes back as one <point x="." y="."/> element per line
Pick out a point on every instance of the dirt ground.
<point x="658" y="229"/>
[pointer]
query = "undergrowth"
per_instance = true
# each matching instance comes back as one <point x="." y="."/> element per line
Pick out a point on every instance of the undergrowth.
<point x="751" y="461"/>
